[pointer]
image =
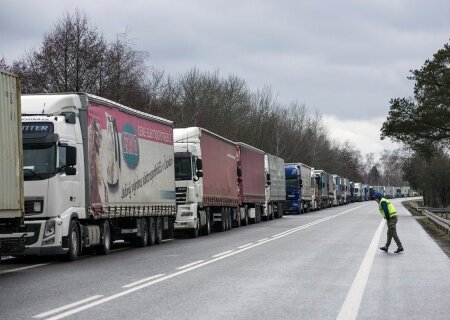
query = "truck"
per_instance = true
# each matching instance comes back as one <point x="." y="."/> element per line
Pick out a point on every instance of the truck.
<point x="299" y="191"/>
<point x="331" y="188"/>
<point x="366" y="194"/>
<point x="275" y="187"/>
<point x="348" y="191"/>
<point x="95" y="171"/>
<point x="358" y="192"/>
<point x="337" y="190"/>
<point x="251" y="183"/>
<point x="322" y="194"/>
<point x="12" y="227"/>
<point x="206" y="180"/>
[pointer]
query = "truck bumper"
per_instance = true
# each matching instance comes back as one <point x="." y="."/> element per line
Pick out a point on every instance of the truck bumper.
<point x="11" y="246"/>
<point x="186" y="217"/>
<point x="37" y="245"/>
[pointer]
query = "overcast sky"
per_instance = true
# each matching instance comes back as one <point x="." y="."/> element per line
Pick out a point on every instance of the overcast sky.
<point x="344" y="58"/>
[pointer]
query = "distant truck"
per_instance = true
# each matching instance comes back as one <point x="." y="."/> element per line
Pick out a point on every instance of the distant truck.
<point x="366" y="195"/>
<point x="12" y="228"/>
<point x="348" y="191"/>
<point x="275" y="187"/>
<point x="206" y="174"/>
<point x="337" y="190"/>
<point x="251" y="183"/>
<point x="321" y="191"/>
<point x="358" y="192"/>
<point x="95" y="171"/>
<point x="298" y="188"/>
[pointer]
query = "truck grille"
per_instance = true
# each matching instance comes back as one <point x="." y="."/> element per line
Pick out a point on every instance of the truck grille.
<point x="181" y="195"/>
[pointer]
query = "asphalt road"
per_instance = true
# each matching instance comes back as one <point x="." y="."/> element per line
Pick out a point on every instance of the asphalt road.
<point x="320" y="265"/>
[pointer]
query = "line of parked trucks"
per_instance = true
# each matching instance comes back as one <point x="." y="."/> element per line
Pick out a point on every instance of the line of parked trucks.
<point x="79" y="172"/>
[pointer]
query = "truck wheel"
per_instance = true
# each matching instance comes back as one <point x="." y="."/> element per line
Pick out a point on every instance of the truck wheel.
<point x="142" y="240"/>
<point x="238" y="220"/>
<point x="151" y="231"/>
<point x="223" y="220"/>
<point x="280" y="210"/>
<point x="207" y="228"/>
<point x="195" y="232"/>
<point x="245" y="222"/>
<point x="105" y="247"/>
<point x="159" y="230"/>
<point x="74" y="241"/>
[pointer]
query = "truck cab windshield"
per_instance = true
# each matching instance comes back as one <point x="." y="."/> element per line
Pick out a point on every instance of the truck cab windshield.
<point x="292" y="183"/>
<point x="39" y="161"/>
<point x="183" y="167"/>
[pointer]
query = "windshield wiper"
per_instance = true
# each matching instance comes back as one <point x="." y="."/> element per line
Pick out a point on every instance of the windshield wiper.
<point x="28" y="171"/>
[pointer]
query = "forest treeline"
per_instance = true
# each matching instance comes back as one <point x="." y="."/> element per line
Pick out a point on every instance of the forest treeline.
<point x="75" y="57"/>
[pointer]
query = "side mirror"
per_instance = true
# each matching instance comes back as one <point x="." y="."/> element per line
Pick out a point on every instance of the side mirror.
<point x="199" y="164"/>
<point x="199" y="174"/>
<point x="71" y="156"/>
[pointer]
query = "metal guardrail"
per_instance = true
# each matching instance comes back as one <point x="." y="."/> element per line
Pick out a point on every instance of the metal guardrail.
<point x="436" y="215"/>
<point x="444" y="223"/>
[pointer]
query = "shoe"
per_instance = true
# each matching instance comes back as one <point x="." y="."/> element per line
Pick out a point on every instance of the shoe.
<point x="385" y="249"/>
<point x="399" y="249"/>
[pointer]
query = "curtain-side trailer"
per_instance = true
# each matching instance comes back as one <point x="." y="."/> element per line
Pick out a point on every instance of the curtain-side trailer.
<point x="251" y="182"/>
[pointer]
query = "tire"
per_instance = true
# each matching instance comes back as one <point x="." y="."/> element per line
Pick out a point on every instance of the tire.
<point x="142" y="240"/>
<point x="245" y="222"/>
<point x="105" y="247"/>
<point x="159" y="230"/>
<point x="238" y="220"/>
<point x="74" y="241"/>
<point x="223" y="220"/>
<point x="280" y="210"/>
<point x="196" y="231"/>
<point x="207" y="228"/>
<point x="151" y="231"/>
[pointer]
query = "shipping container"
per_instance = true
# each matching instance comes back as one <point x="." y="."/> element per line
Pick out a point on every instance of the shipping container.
<point x="12" y="232"/>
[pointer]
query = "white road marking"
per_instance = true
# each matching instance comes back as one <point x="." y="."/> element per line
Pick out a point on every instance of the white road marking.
<point x="190" y="264"/>
<point x="185" y="269"/>
<point x="143" y="280"/>
<point x="166" y="240"/>
<point x="350" y="307"/>
<point x="24" y="268"/>
<point x="67" y="306"/>
<point x="221" y="254"/>
<point x="245" y="245"/>
<point x="263" y="239"/>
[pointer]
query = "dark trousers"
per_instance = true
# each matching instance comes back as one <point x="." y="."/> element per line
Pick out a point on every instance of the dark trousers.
<point x="392" y="232"/>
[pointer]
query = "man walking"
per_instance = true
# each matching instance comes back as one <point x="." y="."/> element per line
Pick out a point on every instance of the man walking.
<point x="389" y="213"/>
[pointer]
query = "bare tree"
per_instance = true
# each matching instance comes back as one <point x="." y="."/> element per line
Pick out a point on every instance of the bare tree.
<point x="68" y="59"/>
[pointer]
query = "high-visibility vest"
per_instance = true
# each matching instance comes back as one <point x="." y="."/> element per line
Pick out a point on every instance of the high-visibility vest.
<point x="390" y="206"/>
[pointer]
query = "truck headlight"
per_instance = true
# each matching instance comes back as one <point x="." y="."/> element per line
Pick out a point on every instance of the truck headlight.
<point x="49" y="228"/>
<point x="37" y="206"/>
